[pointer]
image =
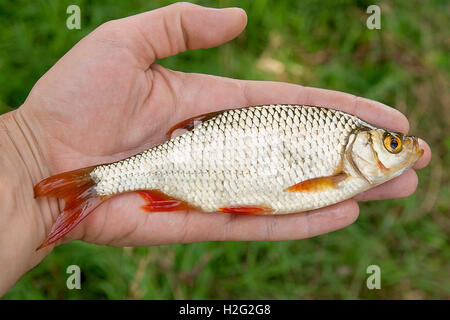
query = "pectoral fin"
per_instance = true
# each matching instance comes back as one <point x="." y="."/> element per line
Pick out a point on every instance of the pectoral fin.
<point x="318" y="184"/>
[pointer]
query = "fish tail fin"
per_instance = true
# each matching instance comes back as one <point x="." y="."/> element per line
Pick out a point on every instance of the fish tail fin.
<point x="78" y="191"/>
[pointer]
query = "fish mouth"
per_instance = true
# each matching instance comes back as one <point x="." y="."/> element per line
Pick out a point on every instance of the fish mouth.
<point x="412" y="143"/>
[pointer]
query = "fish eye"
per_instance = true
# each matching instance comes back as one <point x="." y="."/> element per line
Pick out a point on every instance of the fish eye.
<point x="392" y="143"/>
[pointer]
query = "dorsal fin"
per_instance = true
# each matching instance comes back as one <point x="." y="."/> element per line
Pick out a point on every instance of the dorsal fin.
<point x="188" y="124"/>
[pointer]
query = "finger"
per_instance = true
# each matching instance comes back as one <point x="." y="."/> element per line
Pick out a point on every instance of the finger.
<point x="292" y="226"/>
<point x="425" y="158"/>
<point x="169" y="30"/>
<point x="224" y="93"/>
<point x="400" y="187"/>
<point x="373" y="112"/>
<point x="142" y="228"/>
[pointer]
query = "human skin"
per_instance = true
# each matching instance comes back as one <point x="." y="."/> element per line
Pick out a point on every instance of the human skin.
<point x="106" y="100"/>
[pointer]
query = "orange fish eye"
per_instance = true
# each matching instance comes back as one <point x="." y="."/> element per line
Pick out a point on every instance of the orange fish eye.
<point x="392" y="143"/>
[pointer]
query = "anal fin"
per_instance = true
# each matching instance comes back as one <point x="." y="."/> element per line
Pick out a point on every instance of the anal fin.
<point x="157" y="201"/>
<point x="318" y="184"/>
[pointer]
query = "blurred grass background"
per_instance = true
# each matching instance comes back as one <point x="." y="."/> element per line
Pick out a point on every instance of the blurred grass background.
<point x="325" y="44"/>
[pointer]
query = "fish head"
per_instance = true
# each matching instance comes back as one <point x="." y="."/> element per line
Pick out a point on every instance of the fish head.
<point x="380" y="155"/>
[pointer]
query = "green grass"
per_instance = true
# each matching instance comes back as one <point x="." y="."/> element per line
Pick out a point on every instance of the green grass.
<point x="325" y="44"/>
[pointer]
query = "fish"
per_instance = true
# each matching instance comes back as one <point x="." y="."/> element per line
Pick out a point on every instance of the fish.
<point x="258" y="160"/>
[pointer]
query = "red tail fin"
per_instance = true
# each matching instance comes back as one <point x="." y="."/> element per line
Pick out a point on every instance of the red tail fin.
<point x="77" y="189"/>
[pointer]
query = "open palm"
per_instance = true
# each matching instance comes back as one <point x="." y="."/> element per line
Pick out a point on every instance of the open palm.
<point x="106" y="100"/>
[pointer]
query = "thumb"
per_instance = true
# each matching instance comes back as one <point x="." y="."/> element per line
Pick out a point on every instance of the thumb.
<point x="169" y="30"/>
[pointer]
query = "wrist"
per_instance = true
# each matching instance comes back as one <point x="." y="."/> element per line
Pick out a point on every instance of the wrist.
<point x="23" y="221"/>
<point x="20" y="146"/>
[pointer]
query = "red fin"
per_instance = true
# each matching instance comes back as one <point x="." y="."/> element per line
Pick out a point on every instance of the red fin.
<point x="381" y="165"/>
<point x="189" y="124"/>
<point x="77" y="189"/>
<point x="246" y="210"/>
<point x="158" y="201"/>
<point x="318" y="184"/>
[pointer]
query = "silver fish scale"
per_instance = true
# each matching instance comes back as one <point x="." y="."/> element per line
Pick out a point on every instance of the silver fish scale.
<point x="244" y="157"/>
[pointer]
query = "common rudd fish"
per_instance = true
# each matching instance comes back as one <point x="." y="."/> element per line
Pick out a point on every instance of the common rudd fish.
<point x="270" y="159"/>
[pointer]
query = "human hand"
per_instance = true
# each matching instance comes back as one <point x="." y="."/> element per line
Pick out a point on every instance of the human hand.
<point x="106" y="100"/>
